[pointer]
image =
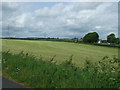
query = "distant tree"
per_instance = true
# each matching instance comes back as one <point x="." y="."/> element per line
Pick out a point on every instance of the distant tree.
<point x="80" y="40"/>
<point x="111" y="38"/>
<point x="91" y="37"/>
<point x="75" y="40"/>
<point x="104" y="41"/>
<point x="117" y="40"/>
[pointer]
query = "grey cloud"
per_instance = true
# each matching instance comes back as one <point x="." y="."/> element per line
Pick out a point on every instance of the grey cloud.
<point x="60" y="20"/>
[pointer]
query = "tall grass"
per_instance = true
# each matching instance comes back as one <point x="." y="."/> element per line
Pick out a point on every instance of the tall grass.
<point x="41" y="73"/>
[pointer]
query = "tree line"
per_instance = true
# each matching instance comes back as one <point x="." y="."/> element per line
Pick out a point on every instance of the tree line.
<point x="91" y="38"/>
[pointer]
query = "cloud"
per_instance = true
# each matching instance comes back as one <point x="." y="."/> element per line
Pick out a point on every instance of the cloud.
<point x="60" y="20"/>
<point x="98" y="27"/>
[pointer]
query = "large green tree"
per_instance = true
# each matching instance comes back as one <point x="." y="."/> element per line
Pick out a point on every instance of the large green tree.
<point x="117" y="41"/>
<point x="111" y="38"/>
<point x="91" y="37"/>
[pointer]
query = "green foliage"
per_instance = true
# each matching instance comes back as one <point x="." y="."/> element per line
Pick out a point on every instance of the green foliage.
<point x="75" y="40"/>
<point x="107" y="45"/>
<point x="104" y="41"/>
<point x="117" y="40"/>
<point x="111" y="38"/>
<point x="91" y="37"/>
<point x="46" y="74"/>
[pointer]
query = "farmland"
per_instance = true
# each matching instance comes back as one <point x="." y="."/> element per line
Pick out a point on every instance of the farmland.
<point x="61" y="50"/>
<point x="34" y="64"/>
<point x="60" y="45"/>
<point x="38" y="73"/>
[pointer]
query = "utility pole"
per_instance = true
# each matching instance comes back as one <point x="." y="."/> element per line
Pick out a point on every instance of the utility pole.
<point x="8" y="31"/>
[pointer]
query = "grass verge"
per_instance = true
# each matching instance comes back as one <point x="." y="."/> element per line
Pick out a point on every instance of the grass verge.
<point x="41" y="73"/>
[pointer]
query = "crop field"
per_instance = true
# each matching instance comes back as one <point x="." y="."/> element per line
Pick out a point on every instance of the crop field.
<point x="61" y="51"/>
<point x="49" y="64"/>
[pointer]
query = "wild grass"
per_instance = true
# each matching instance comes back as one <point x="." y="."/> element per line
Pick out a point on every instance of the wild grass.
<point x="41" y="73"/>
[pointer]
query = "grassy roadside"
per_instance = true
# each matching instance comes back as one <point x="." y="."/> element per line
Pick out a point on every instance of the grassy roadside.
<point x="46" y="74"/>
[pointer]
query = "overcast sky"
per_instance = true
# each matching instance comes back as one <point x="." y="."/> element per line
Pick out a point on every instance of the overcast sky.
<point x="64" y="20"/>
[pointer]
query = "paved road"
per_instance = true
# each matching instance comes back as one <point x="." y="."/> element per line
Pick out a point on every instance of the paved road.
<point x="9" y="84"/>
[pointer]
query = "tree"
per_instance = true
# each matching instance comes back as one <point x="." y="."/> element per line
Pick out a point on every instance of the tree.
<point x="117" y="40"/>
<point x="111" y="38"/>
<point x="91" y="37"/>
<point x="75" y="40"/>
<point x="104" y="41"/>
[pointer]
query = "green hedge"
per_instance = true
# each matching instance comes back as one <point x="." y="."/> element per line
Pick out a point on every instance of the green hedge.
<point x="107" y="45"/>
